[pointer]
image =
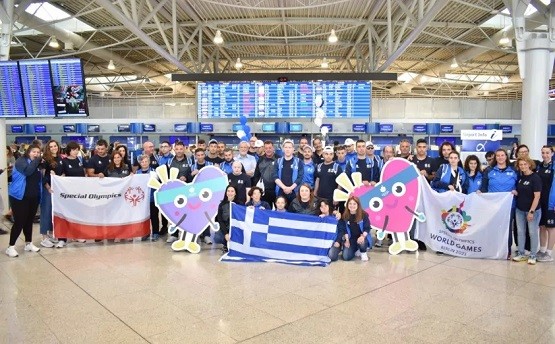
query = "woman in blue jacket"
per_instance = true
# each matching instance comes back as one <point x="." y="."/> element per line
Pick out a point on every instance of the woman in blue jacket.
<point x="25" y="191"/>
<point x="353" y="229"/>
<point x="473" y="174"/>
<point x="501" y="177"/>
<point x="450" y="177"/>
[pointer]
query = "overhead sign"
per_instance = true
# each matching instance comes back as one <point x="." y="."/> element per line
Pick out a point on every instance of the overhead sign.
<point x="419" y="128"/>
<point x="386" y="128"/>
<point x="359" y="128"/>
<point x="446" y="128"/>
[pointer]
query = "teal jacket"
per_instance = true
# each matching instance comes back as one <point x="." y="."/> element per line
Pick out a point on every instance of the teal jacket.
<point x="24" y="167"/>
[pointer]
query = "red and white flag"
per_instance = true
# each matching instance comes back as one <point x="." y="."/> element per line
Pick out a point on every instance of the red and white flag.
<point x="101" y="208"/>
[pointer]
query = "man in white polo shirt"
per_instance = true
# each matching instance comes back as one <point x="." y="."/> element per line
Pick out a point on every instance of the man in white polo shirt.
<point x="248" y="161"/>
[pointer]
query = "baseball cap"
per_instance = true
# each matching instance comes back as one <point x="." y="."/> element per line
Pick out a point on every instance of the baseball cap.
<point x="349" y="142"/>
<point x="258" y="144"/>
<point x="213" y="141"/>
<point x="369" y="143"/>
<point x="309" y="147"/>
<point x="328" y="149"/>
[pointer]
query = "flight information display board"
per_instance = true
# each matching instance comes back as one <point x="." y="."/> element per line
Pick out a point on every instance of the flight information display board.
<point x="10" y="90"/>
<point x="303" y="99"/>
<point x="68" y="84"/>
<point x="37" y="88"/>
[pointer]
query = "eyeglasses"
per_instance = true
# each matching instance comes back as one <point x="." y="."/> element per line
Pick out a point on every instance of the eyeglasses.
<point x="371" y="147"/>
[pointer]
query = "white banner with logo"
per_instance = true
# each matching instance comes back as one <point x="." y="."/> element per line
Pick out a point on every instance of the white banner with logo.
<point x="101" y="208"/>
<point x="471" y="226"/>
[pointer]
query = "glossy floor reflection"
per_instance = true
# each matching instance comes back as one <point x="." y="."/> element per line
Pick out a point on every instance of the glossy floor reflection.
<point x="143" y="292"/>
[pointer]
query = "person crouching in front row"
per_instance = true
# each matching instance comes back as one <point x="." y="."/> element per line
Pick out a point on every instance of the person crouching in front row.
<point x="353" y="229"/>
<point x="223" y="217"/>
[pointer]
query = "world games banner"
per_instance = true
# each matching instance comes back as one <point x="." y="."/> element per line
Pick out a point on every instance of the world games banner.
<point x="101" y="208"/>
<point x="471" y="226"/>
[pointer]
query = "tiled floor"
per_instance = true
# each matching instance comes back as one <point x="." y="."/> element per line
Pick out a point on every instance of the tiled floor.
<point x="143" y="292"/>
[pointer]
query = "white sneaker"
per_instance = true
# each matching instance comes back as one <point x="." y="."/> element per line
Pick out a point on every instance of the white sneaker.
<point x="52" y="239"/>
<point x="11" y="252"/>
<point x="364" y="257"/>
<point x="207" y="240"/>
<point x="171" y="239"/>
<point x="61" y="244"/>
<point x="30" y="247"/>
<point x="81" y="240"/>
<point x="47" y="243"/>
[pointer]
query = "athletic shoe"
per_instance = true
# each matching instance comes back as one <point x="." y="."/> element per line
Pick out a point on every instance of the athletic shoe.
<point x="532" y="261"/>
<point x="155" y="237"/>
<point x="224" y="248"/>
<point x="520" y="258"/>
<point x="378" y="243"/>
<point x="163" y="231"/>
<point x="171" y="239"/>
<point x="439" y="253"/>
<point x="81" y="240"/>
<point x="30" y="247"/>
<point x="421" y="246"/>
<point x="364" y="257"/>
<point x="544" y="258"/>
<point x="207" y="240"/>
<point x="11" y="252"/>
<point x="51" y="238"/>
<point x="61" y="244"/>
<point x="46" y="243"/>
<point x="117" y="241"/>
<point x="357" y="253"/>
<point x="3" y="231"/>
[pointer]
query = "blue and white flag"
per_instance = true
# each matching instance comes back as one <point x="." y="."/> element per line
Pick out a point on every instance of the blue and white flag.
<point x="271" y="236"/>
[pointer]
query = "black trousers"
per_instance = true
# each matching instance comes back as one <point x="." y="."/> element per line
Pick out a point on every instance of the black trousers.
<point x="154" y="221"/>
<point x="24" y="212"/>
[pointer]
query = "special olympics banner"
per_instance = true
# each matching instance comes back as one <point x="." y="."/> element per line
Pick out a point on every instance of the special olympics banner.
<point x="471" y="226"/>
<point x="101" y="208"/>
<point x="281" y="237"/>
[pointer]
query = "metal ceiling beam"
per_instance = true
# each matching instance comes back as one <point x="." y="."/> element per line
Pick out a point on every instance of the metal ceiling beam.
<point x="31" y="21"/>
<point x="485" y="45"/>
<point x="134" y="28"/>
<point x="438" y="6"/>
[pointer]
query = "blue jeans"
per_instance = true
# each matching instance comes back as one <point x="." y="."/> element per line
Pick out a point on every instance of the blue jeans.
<point x="219" y="237"/>
<point x="533" y="227"/>
<point x="349" y="252"/>
<point x="45" y="212"/>
<point x="333" y="253"/>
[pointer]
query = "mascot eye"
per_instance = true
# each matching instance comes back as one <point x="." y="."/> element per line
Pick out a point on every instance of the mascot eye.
<point x="180" y="201"/>
<point x="205" y="195"/>
<point x="398" y="189"/>
<point x="376" y="204"/>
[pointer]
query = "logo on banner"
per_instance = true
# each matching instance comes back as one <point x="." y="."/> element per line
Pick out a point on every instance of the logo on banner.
<point x="134" y="195"/>
<point x="456" y="219"/>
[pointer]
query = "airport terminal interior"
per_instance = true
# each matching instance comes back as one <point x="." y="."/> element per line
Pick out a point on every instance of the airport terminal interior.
<point x="140" y="72"/>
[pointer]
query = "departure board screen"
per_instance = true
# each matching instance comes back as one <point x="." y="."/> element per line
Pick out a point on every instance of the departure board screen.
<point x="336" y="99"/>
<point x="37" y="88"/>
<point x="69" y="87"/>
<point x="11" y="93"/>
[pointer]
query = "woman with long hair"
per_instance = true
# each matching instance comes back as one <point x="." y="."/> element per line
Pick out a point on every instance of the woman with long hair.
<point x="353" y="227"/>
<point x="117" y="168"/>
<point x="472" y="167"/>
<point x="223" y="217"/>
<point x="122" y="149"/>
<point x="547" y="228"/>
<point x="52" y="166"/>
<point x="24" y="193"/>
<point x="305" y="202"/>
<point x="450" y="177"/>
<point x="501" y="177"/>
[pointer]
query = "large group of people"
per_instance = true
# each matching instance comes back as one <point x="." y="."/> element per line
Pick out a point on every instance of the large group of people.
<point x="300" y="180"/>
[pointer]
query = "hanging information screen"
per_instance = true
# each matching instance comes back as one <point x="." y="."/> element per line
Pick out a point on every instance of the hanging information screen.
<point x="37" y="88"/>
<point x="337" y="99"/>
<point x="69" y="87"/>
<point x="10" y="90"/>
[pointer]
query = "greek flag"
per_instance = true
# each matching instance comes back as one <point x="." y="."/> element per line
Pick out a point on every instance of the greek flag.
<point x="271" y="236"/>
